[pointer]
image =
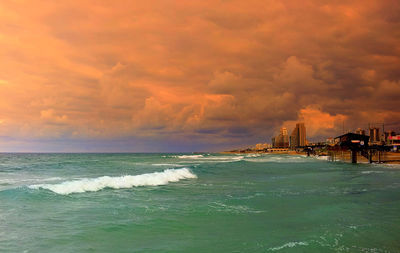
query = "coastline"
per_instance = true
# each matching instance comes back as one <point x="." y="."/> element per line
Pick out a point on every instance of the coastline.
<point x="289" y="152"/>
<point x="345" y="156"/>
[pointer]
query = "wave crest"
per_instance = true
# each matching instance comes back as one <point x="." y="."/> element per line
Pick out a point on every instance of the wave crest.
<point x="96" y="184"/>
<point x="188" y="156"/>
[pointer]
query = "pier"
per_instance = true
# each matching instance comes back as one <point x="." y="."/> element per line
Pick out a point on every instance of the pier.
<point x="355" y="147"/>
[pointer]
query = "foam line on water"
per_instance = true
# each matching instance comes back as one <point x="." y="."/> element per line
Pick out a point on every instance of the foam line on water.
<point x="188" y="156"/>
<point x="211" y="158"/>
<point x="96" y="184"/>
<point x="289" y="245"/>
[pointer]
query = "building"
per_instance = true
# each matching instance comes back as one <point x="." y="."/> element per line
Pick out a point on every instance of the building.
<point x="298" y="136"/>
<point x="262" y="146"/>
<point x="355" y="143"/>
<point x="360" y="131"/>
<point x="394" y="141"/>
<point x="388" y="134"/>
<point x="330" y="141"/>
<point x="351" y="140"/>
<point x="374" y="135"/>
<point x="282" y="140"/>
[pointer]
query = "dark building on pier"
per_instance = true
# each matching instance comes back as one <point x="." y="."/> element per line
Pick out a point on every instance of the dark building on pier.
<point x="356" y="143"/>
<point x="352" y="140"/>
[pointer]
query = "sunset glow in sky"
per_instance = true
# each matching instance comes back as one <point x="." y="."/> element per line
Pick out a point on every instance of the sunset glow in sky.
<point x="137" y="76"/>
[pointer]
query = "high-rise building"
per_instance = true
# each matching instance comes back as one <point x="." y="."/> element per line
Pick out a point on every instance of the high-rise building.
<point x="298" y="136"/>
<point x="374" y="135"/>
<point x="293" y="140"/>
<point x="282" y="140"/>
<point x="284" y="131"/>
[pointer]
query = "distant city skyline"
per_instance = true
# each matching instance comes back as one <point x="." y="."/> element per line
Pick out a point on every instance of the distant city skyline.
<point x="175" y="76"/>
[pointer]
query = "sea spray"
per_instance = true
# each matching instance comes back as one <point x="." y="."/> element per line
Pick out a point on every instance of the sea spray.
<point x="96" y="184"/>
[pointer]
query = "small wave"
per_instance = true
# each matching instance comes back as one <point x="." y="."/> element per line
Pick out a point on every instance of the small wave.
<point x="237" y="209"/>
<point x="253" y="155"/>
<point x="207" y="159"/>
<point x="371" y="171"/>
<point x="96" y="184"/>
<point x="19" y="181"/>
<point x="226" y="158"/>
<point x="167" y="164"/>
<point x="386" y="165"/>
<point x="188" y="156"/>
<point x="289" y="245"/>
<point x="322" y="157"/>
<point x="279" y="159"/>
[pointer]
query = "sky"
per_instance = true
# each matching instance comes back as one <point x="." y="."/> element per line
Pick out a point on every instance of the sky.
<point x="174" y="76"/>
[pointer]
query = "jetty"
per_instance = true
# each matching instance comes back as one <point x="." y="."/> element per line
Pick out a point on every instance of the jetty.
<point x="356" y="148"/>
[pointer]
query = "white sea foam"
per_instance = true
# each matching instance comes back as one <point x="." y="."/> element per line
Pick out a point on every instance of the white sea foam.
<point x="238" y="209"/>
<point x="96" y="184"/>
<point x="228" y="158"/>
<point x="322" y="157"/>
<point x="279" y="159"/>
<point x="386" y="165"/>
<point x="167" y="164"/>
<point x="189" y="156"/>
<point x="253" y="155"/>
<point x="289" y="245"/>
<point x="209" y="158"/>
<point x="371" y="171"/>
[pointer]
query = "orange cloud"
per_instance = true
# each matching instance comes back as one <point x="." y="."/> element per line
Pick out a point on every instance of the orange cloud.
<point x="318" y="123"/>
<point x="201" y="71"/>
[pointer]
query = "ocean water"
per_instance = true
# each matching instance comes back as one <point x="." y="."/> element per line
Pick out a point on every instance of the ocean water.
<point x="196" y="203"/>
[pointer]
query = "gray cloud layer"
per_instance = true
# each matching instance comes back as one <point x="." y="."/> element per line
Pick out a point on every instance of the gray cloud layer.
<point x="196" y="74"/>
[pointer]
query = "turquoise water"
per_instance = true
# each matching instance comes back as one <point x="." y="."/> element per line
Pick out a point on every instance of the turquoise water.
<point x="196" y="203"/>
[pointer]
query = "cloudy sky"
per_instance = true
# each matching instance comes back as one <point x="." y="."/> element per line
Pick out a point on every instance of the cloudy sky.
<point x="164" y="75"/>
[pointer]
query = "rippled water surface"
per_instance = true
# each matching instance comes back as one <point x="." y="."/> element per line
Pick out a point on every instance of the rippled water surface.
<point x="196" y="203"/>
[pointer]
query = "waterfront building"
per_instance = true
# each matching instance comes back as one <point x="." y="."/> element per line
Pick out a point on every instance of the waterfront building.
<point x="394" y="141"/>
<point x="262" y="146"/>
<point x="293" y="140"/>
<point x="388" y="134"/>
<point x="298" y="136"/>
<point x="374" y="135"/>
<point x="282" y="140"/>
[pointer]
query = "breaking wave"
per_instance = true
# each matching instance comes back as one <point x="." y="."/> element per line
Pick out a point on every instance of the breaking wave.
<point x="96" y="184"/>
<point x="188" y="156"/>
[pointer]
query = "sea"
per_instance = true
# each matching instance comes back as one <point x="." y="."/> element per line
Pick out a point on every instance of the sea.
<point x="196" y="203"/>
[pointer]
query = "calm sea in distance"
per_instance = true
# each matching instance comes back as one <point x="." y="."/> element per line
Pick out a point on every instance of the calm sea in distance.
<point x="196" y="203"/>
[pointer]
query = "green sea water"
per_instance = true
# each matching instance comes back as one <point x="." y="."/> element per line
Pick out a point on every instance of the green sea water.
<point x="196" y="203"/>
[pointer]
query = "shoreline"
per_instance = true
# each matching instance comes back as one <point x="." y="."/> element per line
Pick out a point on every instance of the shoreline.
<point x="344" y="157"/>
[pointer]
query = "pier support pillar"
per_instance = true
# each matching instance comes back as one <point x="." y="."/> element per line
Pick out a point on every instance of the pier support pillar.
<point x="370" y="156"/>
<point x="353" y="156"/>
